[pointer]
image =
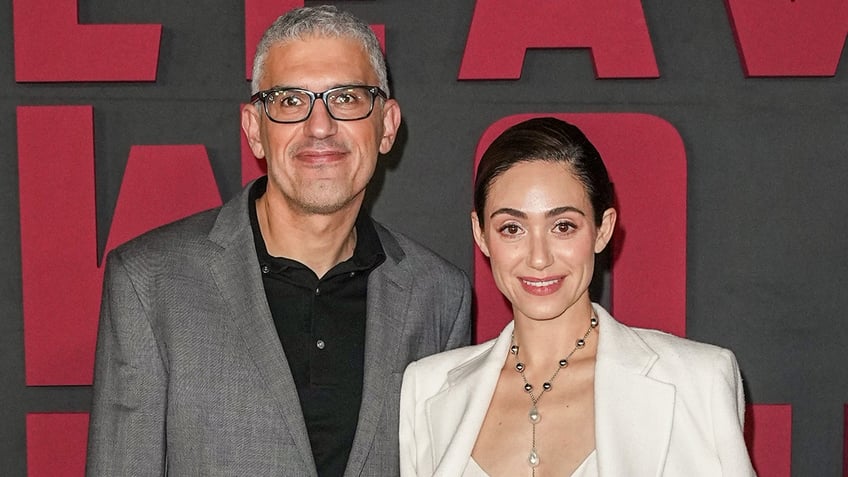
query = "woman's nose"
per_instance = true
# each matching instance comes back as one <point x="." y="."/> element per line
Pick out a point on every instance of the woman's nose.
<point x="540" y="256"/>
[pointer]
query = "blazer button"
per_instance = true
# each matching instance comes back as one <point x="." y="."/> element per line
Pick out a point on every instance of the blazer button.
<point x="320" y="344"/>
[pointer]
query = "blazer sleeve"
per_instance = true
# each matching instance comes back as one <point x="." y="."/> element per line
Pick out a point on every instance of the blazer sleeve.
<point x="460" y="317"/>
<point x="126" y="427"/>
<point x="728" y="408"/>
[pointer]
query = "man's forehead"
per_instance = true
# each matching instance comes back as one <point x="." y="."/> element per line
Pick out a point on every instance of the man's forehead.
<point x="319" y="58"/>
<point x="320" y="41"/>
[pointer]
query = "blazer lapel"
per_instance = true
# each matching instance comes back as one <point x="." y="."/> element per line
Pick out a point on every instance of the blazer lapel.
<point x="456" y="414"/>
<point x="633" y="412"/>
<point x="236" y="272"/>
<point x="389" y="289"/>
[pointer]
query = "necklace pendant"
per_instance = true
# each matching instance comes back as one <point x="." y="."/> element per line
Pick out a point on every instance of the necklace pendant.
<point x="534" y="415"/>
<point x="533" y="459"/>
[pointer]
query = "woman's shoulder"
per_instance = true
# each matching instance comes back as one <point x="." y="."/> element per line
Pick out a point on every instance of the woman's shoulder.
<point x="662" y="341"/>
<point x="467" y="364"/>
<point x="442" y="363"/>
<point x="674" y="354"/>
<point x="682" y="360"/>
<point x="427" y="376"/>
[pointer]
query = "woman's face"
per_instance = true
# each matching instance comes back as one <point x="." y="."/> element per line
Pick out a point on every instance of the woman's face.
<point x="541" y="239"/>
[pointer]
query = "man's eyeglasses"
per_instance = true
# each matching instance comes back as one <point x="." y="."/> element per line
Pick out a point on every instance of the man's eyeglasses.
<point x="293" y="105"/>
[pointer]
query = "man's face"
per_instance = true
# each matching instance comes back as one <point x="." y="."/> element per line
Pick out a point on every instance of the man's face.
<point x="321" y="165"/>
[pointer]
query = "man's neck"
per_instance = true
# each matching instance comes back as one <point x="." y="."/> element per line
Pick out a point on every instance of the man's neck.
<point x="319" y="241"/>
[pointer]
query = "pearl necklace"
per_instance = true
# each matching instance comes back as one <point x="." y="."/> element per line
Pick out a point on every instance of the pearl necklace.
<point x="533" y="415"/>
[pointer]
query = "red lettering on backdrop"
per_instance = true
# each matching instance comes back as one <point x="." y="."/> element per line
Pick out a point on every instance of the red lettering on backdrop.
<point x="647" y="163"/>
<point x="260" y="14"/>
<point x="56" y="167"/>
<point x="789" y="38"/>
<point x="51" y="46"/>
<point x="768" y="433"/>
<point x="502" y="30"/>
<point x="56" y="444"/>
<point x="60" y="297"/>
<point x="162" y="183"/>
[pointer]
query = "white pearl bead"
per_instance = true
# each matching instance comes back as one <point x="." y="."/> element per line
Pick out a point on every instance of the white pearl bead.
<point x="533" y="459"/>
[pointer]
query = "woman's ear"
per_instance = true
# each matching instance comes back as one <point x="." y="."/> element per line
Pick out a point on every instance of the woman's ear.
<point x="605" y="230"/>
<point x="479" y="237"/>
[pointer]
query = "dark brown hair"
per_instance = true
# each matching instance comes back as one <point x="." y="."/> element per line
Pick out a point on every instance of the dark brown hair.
<point x="549" y="140"/>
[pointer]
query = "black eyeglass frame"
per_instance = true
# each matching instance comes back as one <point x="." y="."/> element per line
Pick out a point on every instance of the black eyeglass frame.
<point x="263" y="96"/>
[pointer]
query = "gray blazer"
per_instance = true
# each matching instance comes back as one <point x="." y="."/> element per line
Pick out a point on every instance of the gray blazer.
<point x="191" y="379"/>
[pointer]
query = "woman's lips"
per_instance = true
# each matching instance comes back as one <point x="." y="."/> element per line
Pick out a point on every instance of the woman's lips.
<point x="541" y="286"/>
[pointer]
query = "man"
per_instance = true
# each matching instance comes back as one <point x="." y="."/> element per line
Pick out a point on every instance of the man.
<point x="269" y="336"/>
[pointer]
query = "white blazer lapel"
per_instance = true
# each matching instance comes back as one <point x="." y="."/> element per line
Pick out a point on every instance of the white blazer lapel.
<point x="455" y="415"/>
<point x="633" y="412"/>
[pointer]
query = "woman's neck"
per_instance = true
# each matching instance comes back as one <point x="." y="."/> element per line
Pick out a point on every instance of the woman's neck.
<point x="545" y="342"/>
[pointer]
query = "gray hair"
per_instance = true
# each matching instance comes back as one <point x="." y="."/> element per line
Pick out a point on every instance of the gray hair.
<point x="322" y="21"/>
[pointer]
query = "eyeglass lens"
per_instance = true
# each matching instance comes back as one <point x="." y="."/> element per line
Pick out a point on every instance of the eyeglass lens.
<point x="347" y="103"/>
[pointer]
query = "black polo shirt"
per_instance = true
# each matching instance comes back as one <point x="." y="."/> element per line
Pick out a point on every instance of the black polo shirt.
<point x="321" y="325"/>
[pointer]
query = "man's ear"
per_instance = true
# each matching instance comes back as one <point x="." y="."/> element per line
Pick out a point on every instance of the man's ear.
<point x="605" y="230"/>
<point x="251" y="124"/>
<point x="479" y="237"/>
<point x="391" y="123"/>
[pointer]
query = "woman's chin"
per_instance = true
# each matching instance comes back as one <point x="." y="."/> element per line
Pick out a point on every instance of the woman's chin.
<point x="540" y="314"/>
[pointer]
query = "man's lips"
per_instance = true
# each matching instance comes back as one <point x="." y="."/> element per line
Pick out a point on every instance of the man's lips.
<point x="323" y="156"/>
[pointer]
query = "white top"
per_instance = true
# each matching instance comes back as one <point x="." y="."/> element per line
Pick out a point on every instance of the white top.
<point x="589" y="468"/>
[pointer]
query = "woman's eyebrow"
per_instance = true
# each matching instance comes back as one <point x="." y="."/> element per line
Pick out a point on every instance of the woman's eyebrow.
<point x="561" y="210"/>
<point x="509" y="211"/>
<point x="550" y="213"/>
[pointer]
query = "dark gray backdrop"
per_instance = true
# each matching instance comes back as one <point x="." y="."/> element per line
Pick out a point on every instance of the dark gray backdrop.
<point x="766" y="164"/>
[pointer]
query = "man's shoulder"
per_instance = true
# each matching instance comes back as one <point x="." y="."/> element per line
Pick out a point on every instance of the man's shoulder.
<point x="399" y="246"/>
<point x="184" y="236"/>
<point x="203" y="229"/>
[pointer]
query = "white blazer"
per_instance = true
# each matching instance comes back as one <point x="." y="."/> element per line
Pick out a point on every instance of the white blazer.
<point x="664" y="406"/>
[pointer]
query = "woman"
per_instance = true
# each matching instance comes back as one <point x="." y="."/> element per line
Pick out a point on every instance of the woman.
<point x="565" y="390"/>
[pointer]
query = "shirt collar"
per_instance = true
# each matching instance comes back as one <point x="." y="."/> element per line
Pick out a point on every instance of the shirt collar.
<point x="367" y="254"/>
